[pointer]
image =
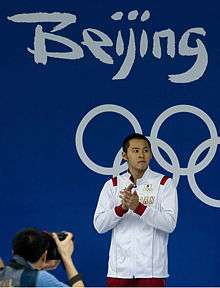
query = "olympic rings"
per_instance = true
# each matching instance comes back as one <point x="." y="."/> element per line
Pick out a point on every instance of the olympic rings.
<point x="174" y="167"/>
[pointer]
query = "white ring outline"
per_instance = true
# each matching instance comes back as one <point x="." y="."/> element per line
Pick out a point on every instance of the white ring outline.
<point x="204" y="117"/>
<point x="191" y="177"/>
<point x="80" y="131"/>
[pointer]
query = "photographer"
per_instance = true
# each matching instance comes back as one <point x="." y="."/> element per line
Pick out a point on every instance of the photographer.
<point x="31" y="249"/>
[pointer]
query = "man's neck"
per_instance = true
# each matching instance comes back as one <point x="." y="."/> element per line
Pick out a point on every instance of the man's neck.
<point x="136" y="174"/>
<point x="37" y="265"/>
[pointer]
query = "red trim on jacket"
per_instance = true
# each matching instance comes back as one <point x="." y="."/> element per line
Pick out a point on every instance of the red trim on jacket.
<point x="114" y="181"/>
<point x="120" y="211"/>
<point x="164" y="180"/>
<point x="140" y="209"/>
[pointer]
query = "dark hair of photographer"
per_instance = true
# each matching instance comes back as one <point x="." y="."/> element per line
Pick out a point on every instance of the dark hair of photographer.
<point x="30" y="244"/>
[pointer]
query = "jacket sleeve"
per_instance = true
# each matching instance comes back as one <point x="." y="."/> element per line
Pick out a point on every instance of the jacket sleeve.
<point x="105" y="217"/>
<point x="164" y="215"/>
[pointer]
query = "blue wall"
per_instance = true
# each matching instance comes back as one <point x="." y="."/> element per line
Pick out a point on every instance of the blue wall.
<point x="44" y="182"/>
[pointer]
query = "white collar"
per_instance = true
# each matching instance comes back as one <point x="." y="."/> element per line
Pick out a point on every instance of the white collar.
<point x="145" y="175"/>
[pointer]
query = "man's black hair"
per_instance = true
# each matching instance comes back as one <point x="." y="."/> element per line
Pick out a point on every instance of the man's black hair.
<point x="30" y="244"/>
<point x="125" y="143"/>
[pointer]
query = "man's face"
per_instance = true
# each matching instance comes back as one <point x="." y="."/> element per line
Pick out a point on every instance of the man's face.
<point x="138" y="154"/>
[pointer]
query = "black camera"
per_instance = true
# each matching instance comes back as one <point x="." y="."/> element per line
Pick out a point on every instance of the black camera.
<point x="52" y="252"/>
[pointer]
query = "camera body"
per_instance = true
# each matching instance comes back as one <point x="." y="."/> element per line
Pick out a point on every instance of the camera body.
<point x="52" y="252"/>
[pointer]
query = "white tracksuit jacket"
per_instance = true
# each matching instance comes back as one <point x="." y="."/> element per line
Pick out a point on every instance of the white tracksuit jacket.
<point x="139" y="240"/>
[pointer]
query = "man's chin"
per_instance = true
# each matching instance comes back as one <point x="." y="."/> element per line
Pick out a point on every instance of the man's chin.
<point x="142" y="166"/>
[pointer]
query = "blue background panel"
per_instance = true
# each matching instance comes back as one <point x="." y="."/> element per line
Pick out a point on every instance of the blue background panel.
<point x="43" y="181"/>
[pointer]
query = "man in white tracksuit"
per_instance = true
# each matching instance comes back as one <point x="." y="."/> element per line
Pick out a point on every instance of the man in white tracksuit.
<point x="140" y="207"/>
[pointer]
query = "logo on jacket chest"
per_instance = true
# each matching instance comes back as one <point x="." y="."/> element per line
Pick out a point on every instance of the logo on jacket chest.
<point x="148" y="188"/>
<point x="146" y="194"/>
<point x="147" y="200"/>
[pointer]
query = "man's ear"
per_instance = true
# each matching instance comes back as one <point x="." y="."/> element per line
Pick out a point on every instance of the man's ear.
<point x="124" y="156"/>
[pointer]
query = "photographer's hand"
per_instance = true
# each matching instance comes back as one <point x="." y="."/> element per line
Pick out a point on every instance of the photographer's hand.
<point x="66" y="246"/>
<point x="65" y="249"/>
